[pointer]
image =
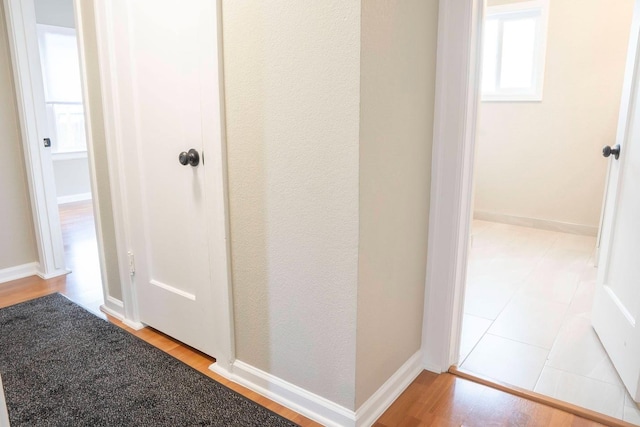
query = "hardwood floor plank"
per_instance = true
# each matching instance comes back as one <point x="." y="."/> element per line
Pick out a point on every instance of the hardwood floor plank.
<point x="445" y="400"/>
<point x="431" y="400"/>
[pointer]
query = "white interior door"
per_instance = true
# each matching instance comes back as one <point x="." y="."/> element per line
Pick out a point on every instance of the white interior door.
<point x="616" y="310"/>
<point x="165" y="59"/>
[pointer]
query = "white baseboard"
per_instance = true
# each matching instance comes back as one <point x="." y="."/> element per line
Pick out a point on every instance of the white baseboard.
<point x="316" y="407"/>
<point x="4" y="413"/>
<point x="136" y="326"/>
<point x="543" y="224"/>
<point x="432" y="368"/>
<point x="380" y="401"/>
<point x="304" y="402"/>
<point x="18" y="272"/>
<point x="113" y="307"/>
<point x="55" y="273"/>
<point x="118" y="313"/>
<point x="74" y="198"/>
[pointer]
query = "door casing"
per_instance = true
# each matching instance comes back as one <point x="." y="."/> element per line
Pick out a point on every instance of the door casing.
<point x="25" y="58"/>
<point x="455" y="117"/>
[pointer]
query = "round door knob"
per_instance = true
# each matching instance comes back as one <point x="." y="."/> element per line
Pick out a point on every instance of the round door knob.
<point x="607" y="151"/>
<point x="191" y="157"/>
<point x="183" y="158"/>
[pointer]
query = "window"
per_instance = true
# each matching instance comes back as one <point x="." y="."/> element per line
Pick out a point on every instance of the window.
<point x="62" y="87"/>
<point x="514" y="43"/>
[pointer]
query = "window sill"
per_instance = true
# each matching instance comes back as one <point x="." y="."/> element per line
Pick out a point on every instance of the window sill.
<point x="71" y="155"/>
<point x="511" y="98"/>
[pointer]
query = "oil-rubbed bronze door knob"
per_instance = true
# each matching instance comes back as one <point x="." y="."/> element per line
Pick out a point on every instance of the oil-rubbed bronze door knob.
<point x="191" y="157"/>
<point x="607" y="151"/>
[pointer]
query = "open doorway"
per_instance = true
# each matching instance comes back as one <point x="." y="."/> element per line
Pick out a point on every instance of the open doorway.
<point x="551" y="87"/>
<point x="67" y="140"/>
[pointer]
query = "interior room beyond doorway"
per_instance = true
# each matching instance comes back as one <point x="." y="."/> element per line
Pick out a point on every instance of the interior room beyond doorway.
<point x="552" y="75"/>
<point x="527" y="317"/>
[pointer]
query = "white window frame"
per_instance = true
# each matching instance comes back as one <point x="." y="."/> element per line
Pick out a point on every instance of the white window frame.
<point x="514" y="11"/>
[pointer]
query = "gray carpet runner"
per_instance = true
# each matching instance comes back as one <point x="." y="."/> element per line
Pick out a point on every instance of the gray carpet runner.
<point x="63" y="366"/>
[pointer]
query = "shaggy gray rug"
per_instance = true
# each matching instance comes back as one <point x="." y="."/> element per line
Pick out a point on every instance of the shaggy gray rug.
<point x="63" y="366"/>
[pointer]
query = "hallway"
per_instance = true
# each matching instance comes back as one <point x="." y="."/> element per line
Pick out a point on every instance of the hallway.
<point x="83" y="284"/>
<point x="431" y="398"/>
<point x="81" y="254"/>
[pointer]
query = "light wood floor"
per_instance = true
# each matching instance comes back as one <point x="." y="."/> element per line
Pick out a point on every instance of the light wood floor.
<point x="431" y="400"/>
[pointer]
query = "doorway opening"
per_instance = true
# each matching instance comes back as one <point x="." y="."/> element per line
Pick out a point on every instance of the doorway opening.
<point x="67" y="142"/>
<point x="552" y="77"/>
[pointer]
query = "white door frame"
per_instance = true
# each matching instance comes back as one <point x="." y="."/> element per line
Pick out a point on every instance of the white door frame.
<point x="110" y="304"/>
<point x="456" y="111"/>
<point x="21" y="24"/>
<point x="120" y="120"/>
<point x="25" y="57"/>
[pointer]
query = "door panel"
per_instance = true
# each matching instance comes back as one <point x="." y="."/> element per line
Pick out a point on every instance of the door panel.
<point x="167" y="56"/>
<point x="617" y="301"/>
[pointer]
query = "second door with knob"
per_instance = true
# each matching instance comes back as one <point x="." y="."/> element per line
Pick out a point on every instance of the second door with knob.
<point x="166" y="60"/>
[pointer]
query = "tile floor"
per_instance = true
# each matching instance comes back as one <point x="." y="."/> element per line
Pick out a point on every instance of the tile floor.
<point x="527" y="318"/>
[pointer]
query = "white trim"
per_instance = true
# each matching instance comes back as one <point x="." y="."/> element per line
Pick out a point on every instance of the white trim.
<point x="4" y="413"/>
<point x="25" y="58"/>
<point x="543" y="224"/>
<point x="71" y="198"/>
<point x="136" y="326"/>
<point x="218" y="221"/>
<point x="47" y="276"/>
<point x="104" y="21"/>
<point x="73" y="155"/>
<point x="18" y="272"/>
<point x="56" y="29"/>
<point x="456" y="104"/>
<point x="316" y="407"/>
<point x="290" y="395"/>
<point x="380" y="401"/>
<point x="113" y="307"/>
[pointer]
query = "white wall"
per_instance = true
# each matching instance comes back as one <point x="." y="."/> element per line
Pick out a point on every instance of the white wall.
<point x="292" y="81"/>
<point x="55" y="12"/>
<point x="17" y="241"/>
<point x="72" y="177"/>
<point x="543" y="160"/>
<point x="396" y="128"/>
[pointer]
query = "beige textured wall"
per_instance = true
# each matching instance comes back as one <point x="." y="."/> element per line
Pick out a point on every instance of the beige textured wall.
<point x="292" y="104"/>
<point x="397" y="102"/>
<point x="17" y="241"/>
<point x="100" y="152"/>
<point x="543" y="160"/>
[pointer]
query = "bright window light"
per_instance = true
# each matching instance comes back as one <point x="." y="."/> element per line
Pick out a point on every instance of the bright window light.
<point x="63" y="94"/>
<point x="490" y="57"/>
<point x="514" y="42"/>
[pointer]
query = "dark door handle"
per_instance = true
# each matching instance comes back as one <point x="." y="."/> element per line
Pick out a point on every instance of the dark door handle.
<point x="607" y="151"/>
<point x="190" y="157"/>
